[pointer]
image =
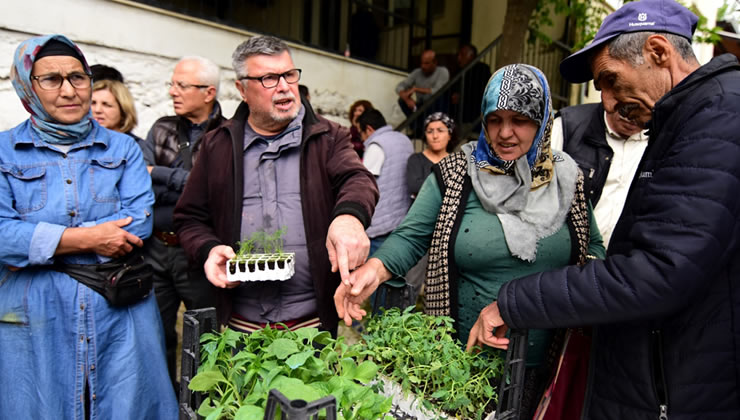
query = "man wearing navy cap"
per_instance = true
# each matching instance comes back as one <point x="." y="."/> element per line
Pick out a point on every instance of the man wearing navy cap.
<point x="665" y="303"/>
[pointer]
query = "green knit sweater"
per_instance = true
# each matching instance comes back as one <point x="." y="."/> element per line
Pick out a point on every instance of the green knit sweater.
<point x="481" y="255"/>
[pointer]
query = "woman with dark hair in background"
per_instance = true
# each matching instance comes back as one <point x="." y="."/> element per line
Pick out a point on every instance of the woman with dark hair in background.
<point x="439" y="137"/>
<point x="355" y="110"/>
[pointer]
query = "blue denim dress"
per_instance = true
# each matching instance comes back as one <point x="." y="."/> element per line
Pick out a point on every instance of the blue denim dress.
<point x="55" y="333"/>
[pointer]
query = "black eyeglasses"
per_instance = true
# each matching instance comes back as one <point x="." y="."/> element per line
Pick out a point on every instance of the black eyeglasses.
<point x="183" y="86"/>
<point x="270" y="80"/>
<point x="54" y="81"/>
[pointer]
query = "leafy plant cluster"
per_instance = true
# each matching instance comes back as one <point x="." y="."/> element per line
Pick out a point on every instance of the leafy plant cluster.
<point x="418" y="351"/>
<point x="238" y="370"/>
<point x="262" y="241"/>
<point x="588" y="15"/>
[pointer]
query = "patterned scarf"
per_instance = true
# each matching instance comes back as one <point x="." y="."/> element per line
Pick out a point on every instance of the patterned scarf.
<point x="523" y="89"/>
<point x="530" y="198"/>
<point x="46" y="127"/>
<point x="444" y="118"/>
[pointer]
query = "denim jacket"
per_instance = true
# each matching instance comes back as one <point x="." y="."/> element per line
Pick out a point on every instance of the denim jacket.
<point x="57" y="336"/>
<point x="44" y="190"/>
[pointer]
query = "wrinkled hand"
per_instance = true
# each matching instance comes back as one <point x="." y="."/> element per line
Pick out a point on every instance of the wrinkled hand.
<point x="363" y="282"/>
<point x="215" y="266"/>
<point x="348" y="245"/>
<point x="111" y="240"/>
<point x="489" y="329"/>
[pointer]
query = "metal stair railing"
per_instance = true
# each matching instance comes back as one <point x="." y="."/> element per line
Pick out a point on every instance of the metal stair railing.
<point x="421" y="111"/>
<point x="545" y="56"/>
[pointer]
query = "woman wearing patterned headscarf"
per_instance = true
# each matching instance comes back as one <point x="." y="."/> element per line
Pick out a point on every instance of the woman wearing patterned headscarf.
<point x="501" y="208"/>
<point x="72" y="191"/>
<point x="439" y="138"/>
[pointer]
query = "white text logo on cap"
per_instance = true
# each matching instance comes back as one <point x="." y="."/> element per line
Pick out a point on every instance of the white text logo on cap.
<point x="642" y="17"/>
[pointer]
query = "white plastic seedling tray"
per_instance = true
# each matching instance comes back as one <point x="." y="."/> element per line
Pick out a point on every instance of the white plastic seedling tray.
<point x="409" y="406"/>
<point x="256" y="268"/>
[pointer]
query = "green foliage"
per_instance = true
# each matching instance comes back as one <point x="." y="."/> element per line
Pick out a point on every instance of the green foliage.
<point x="238" y="370"/>
<point x="246" y="247"/>
<point x="586" y="17"/>
<point x="415" y="350"/>
<point x="703" y="32"/>
<point x="274" y="243"/>
<point x="260" y="240"/>
<point x="418" y="352"/>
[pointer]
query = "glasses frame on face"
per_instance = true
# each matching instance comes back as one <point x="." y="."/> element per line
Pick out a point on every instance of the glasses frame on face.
<point x="181" y="86"/>
<point x="267" y="82"/>
<point x="58" y="80"/>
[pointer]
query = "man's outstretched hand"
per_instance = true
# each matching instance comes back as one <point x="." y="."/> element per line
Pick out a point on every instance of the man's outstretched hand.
<point x="348" y="245"/>
<point x="489" y="329"/>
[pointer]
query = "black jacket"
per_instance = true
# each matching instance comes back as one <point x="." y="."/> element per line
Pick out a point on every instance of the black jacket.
<point x="666" y="300"/>
<point x="584" y="139"/>
<point x="162" y="150"/>
<point x="333" y="181"/>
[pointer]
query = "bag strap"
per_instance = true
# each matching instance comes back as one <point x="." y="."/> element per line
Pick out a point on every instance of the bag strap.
<point x="88" y="275"/>
<point x="183" y="145"/>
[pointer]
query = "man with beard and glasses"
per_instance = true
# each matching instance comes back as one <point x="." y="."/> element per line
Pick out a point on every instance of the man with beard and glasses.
<point x="277" y="165"/>
<point x="607" y="148"/>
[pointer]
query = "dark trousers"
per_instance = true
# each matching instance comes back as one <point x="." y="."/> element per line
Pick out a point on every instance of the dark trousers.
<point x="173" y="284"/>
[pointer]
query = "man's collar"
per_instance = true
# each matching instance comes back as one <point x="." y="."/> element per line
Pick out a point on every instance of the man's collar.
<point x="379" y="131"/>
<point x="294" y="125"/>
<point x="215" y="111"/>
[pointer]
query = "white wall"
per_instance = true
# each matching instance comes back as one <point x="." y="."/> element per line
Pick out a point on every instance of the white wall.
<point x="144" y="45"/>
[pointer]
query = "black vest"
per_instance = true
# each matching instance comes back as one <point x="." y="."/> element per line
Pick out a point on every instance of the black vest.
<point x="584" y="139"/>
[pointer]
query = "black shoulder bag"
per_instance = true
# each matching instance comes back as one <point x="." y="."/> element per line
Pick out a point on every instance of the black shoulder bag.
<point x="122" y="281"/>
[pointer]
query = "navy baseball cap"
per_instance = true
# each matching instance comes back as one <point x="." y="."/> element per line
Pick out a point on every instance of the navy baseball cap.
<point x="637" y="16"/>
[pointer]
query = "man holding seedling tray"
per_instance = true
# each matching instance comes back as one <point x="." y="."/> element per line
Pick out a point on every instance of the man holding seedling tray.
<point x="276" y="165"/>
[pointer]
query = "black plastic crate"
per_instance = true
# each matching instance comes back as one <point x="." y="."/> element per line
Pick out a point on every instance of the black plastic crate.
<point x="394" y="293"/>
<point x="200" y="321"/>
<point x="512" y="381"/>
<point x="195" y="323"/>
<point x="299" y="409"/>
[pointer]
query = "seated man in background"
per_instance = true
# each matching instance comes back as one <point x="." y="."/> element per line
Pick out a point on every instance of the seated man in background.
<point x="467" y="95"/>
<point x="420" y="85"/>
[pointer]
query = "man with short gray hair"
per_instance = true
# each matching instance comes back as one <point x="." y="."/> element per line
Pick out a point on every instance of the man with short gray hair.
<point x="664" y="302"/>
<point x="170" y="150"/>
<point x="277" y="165"/>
